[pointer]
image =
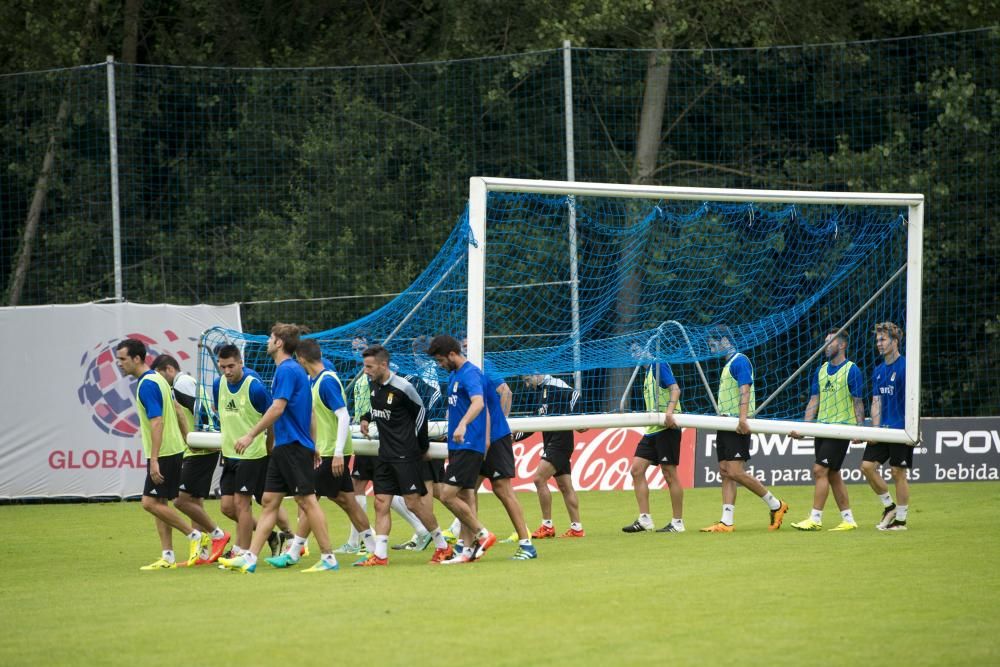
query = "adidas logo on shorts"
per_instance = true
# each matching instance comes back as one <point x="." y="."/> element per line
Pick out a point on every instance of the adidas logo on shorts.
<point x="664" y="458"/>
<point x="452" y="479"/>
<point x="495" y="475"/>
<point x="153" y="492"/>
<point x="243" y="488"/>
<point x="183" y="488"/>
<point x="413" y="487"/>
<point x="737" y="455"/>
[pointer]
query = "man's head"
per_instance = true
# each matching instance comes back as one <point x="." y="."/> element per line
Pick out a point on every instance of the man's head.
<point x="888" y="338"/>
<point x="284" y="339"/>
<point x="310" y="356"/>
<point x="720" y="339"/>
<point x="230" y="363"/>
<point x="166" y="366"/>
<point x="836" y="343"/>
<point x="376" y="363"/>
<point x="130" y="356"/>
<point x="447" y="352"/>
<point x="533" y="380"/>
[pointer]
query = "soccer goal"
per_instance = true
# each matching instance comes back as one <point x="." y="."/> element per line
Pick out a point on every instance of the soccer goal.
<point x="592" y="282"/>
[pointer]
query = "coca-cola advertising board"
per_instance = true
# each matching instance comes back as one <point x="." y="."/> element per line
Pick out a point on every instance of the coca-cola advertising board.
<point x="601" y="460"/>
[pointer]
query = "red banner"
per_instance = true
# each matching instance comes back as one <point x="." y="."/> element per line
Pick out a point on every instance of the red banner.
<point x="601" y="460"/>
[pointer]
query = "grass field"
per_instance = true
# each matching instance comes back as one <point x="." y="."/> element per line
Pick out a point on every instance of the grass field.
<point x="72" y="592"/>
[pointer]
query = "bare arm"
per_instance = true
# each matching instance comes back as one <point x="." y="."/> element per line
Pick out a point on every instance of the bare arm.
<point x="506" y="398"/>
<point x="743" y="428"/>
<point x="156" y="437"/>
<point x="811" y="408"/>
<point x="675" y="397"/>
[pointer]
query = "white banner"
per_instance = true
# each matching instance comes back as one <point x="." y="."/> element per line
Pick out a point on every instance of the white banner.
<point x="68" y="425"/>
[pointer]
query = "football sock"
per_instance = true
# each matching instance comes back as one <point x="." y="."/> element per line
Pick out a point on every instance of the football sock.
<point x="576" y="526"/>
<point x="382" y="546"/>
<point x="168" y="555"/>
<point x="298" y="544"/>
<point x="727" y="514"/>
<point x="547" y="523"/>
<point x="194" y="535"/>
<point x="848" y="516"/>
<point x="399" y="505"/>
<point x="646" y="519"/>
<point x="217" y="534"/>
<point x="249" y="557"/>
<point x="368" y="537"/>
<point x="678" y="523"/>
<point x="525" y="542"/>
<point x="886" y="499"/>
<point x="901" y="512"/>
<point x="816" y="515"/>
<point x="439" y="541"/>
<point x="772" y="502"/>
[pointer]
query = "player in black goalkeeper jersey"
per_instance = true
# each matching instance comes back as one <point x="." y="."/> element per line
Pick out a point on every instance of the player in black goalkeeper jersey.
<point x="555" y="397"/>
<point x="399" y="414"/>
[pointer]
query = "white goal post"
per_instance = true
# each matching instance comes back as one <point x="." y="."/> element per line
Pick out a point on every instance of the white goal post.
<point x="480" y="187"/>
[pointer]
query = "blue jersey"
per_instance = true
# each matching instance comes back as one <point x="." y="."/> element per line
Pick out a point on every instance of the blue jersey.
<point x="741" y="370"/>
<point x="499" y="427"/>
<point x="331" y="392"/>
<point x="855" y="381"/>
<point x="667" y="378"/>
<point x="259" y="398"/>
<point x="292" y="384"/>
<point x="463" y="384"/>
<point x="889" y="384"/>
<point x="151" y="398"/>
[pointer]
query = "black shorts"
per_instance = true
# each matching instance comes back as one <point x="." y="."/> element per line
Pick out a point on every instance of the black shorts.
<point x="196" y="474"/>
<point x="399" y="478"/>
<point x="290" y="470"/>
<point x="433" y="470"/>
<point x="898" y="456"/>
<point x="170" y="468"/>
<point x="731" y="446"/>
<point x="499" y="460"/>
<point x="329" y="486"/>
<point x="557" y="449"/>
<point x="830" y="453"/>
<point x="661" y="448"/>
<point x="463" y="468"/>
<point x="251" y="477"/>
<point x="227" y="482"/>
<point x="364" y="468"/>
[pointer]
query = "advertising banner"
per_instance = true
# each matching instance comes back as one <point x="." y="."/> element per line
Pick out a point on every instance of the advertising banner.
<point x="68" y="425"/>
<point x="951" y="450"/>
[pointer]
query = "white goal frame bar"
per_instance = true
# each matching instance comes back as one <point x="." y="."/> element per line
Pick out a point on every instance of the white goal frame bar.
<point x="480" y="187"/>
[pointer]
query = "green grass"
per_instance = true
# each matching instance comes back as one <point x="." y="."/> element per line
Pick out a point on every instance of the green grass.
<point x="72" y="593"/>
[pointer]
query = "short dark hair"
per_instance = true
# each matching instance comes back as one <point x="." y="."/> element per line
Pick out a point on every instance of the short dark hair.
<point x="842" y="335"/>
<point x="420" y="344"/>
<point x="134" y="348"/>
<point x="288" y="334"/>
<point x="165" y="361"/>
<point x="309" y="350"/>
<point x="720" y="331"/>
<point x="228" y="351"/>
<point x="443" y="345"/>
<point x="890" y="330"/>
<point x="377" y="351"/>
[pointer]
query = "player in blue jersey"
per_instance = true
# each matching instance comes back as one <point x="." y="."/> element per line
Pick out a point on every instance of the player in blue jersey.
<point x="290" y="468"/>
<point x="836" y="396"/>
<point x="889" y="411"/>
<point x="736" y="398"/>
<point x="467" y="443"/>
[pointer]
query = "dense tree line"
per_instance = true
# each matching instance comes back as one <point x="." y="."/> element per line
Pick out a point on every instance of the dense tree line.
<point x="370" y="164"/>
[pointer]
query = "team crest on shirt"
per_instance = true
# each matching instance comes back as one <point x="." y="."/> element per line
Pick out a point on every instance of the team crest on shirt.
<point x="892" y="378"/>
<point x="388" y="399"/>
<point x="455" y="388"/>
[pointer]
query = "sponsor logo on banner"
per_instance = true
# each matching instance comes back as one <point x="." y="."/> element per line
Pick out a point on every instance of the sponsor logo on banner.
<point x="109" y="395"/>
<point x="951" y="449"/>
<point x="601" y="460"/>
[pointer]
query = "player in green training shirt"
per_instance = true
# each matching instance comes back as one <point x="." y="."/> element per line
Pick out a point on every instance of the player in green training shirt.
<point x="163" y="445"/>
<point x="836" y="397"/>
<point x="197" y="467"/>
<point x="736" y="399"/>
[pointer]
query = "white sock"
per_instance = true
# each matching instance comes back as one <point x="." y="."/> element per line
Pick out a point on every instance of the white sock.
<point x="772" y="502"/>
<point x="886" y="499"/>
<point x="382" y="546"/>
<point x="576" y="526"/>
<point x="168" y="555"/>
<point x="235" y="551"/>
<point x="329" y="558"/>
<point x="678" y="524"/>
<point x="816" y="515"/>
<point x="901" y="512"/>
<point x="848" y="516"/>
<point x="298" y="544"/>
<point x="218" y="533"/>
<point x="467" y="552"/>
<point x="194" y="535"/>
<point x="368" y="536"/>
<point x="727" y="514"/>
<point x="354" y="538"/>
<point x="547" y="523"/>
<point x="249" y="557"/>
<point x="646" y="519"/>
<point x="526" y="542"/>
<point x="439" y="541"/>
<point x="482" y="534"/>
<point x="456" y="527"/>
<point x="399" y="505"/>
